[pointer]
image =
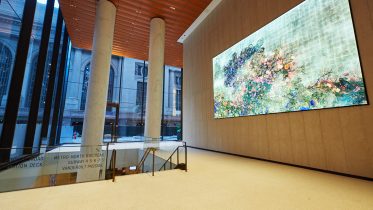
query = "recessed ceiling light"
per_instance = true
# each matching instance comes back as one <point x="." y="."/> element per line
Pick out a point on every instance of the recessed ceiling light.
<point x="173" y="8"/>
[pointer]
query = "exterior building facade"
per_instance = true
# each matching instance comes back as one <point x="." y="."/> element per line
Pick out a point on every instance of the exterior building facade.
<point x="127" y="85"/>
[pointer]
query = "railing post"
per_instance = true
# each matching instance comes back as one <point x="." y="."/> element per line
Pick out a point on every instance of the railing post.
<point x="153" y="162"/>
<point x="107" y="156"/>
<point x="114" y="156"/>
<point x="186" y="157"/>
<point x="177" y="155"/>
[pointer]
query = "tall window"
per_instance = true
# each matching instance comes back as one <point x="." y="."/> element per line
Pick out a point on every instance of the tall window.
<point x="85" y="86"/>
<point x="141" y="88"/>
<point x="32" y="81"/>
<point x="178" y="100"/>
<point x="110" y="92"/>
<point x="171" y="129"/>
<point x="87" y="72"/>
<point x="6" y="61"/>
<point x="178" y="80"/>
<point x="178" y="91"/>
<point x="27" y="84"/>
<point x="140" y="70"/>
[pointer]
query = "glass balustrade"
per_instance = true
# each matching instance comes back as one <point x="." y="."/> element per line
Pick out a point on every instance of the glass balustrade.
<point x="75" y="163"/>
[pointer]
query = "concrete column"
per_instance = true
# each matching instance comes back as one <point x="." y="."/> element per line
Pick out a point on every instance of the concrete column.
<point x="155" y="79"/>
<point x="95" y="107"/>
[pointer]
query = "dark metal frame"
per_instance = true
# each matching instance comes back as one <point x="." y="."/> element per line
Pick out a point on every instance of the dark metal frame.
<point x="58" y="96"/>
<point x="143" y="98"/>
<point x="52" y="78"/>
<point x="64" y="91"/>
<point x="39" y="76"/>
<point x="12" y="105"/>
<point x="115" y="126"/>
<point x="162" y="120"/>
<point x="181" y="101"/>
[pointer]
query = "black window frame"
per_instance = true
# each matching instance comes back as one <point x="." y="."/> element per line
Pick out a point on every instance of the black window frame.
<point x="18" y="74"/>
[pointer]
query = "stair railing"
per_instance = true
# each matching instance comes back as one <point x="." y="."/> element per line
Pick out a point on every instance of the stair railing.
<point x="140" y="165"/>
<point x="113" y="163"/>
<point x="169" y="160"/>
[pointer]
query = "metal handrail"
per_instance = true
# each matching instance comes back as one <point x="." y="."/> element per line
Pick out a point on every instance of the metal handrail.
<point x="170" y="158"/>
<point x="113" y="163"/>
<point x="142" y="161"/>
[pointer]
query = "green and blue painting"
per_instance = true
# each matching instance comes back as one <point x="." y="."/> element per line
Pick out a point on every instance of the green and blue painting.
<point x="305" y="59"/>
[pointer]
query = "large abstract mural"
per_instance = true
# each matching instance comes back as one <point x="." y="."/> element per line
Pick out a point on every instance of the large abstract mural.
<point x="305" y="59"/>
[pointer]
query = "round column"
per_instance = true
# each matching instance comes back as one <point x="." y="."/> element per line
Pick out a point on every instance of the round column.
<point x="95" y="108"/>
<point x="155" y="79"/>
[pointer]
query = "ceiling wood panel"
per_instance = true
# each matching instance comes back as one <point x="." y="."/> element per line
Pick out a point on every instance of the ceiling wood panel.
<point x="131" y="35"/>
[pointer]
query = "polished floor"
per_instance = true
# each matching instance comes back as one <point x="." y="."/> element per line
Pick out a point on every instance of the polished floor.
<point x="213" y="181"/>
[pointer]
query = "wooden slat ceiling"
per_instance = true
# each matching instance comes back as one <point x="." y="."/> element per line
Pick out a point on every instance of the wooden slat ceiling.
<point x="131" y="36"/>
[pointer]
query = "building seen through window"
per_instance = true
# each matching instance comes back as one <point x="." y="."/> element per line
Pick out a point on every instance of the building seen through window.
<point x="141" y="93"/>
<point x="127" y="84"/>
<point x="127" y="87"/>
<point x="6" y="61"/>
<point x="86" y="74"/>
<point x="140" y="69"/>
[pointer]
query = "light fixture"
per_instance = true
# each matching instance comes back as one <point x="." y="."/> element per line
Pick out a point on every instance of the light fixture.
<point x="173" y="8"/>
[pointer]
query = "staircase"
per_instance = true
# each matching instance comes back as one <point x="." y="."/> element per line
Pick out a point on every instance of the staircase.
<point x="148" y="163"/>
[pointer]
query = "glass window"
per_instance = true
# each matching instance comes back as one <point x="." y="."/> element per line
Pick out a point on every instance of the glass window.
<point x="87" y="72"/>
<point x="47" y="68"/>
<point x="11" y="13"/>
<point x="172" y="104"/>
<point x="76" y="95"/>
<point x="178" y="80"/>
<point x="33" y="52"/>
<point x="141" y="93"/>
<point x="6" y="61"/>
<point x="178" y="100"/>
<point x="110" y="93"/>
<point x="32" y="81"/>
<point x="140" y="70"/>
<point x="54" y="88"/>
<point x="132" y="103"/>
<point x="127" y="87"/>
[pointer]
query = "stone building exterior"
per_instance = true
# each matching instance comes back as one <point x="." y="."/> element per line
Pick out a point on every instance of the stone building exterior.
<point x="127" y="81"/>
